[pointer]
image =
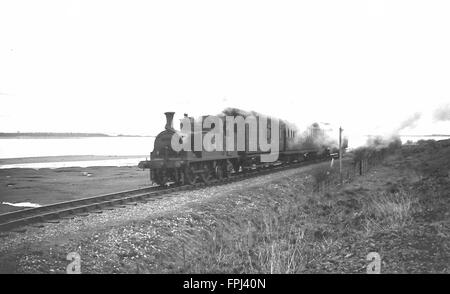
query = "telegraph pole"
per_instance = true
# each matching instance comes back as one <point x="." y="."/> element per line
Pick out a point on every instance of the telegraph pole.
<point x="340" y="154"/>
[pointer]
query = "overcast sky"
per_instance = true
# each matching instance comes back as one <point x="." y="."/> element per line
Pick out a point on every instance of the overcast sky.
<point x="116" y="66"/>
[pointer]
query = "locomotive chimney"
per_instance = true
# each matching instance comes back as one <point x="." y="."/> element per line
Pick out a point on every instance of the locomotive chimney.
<point x="169" y="120"/>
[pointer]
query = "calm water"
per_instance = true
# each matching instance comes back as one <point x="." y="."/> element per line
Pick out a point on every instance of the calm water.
<point x="118" y="146"/>
<point x="81" y="163"/>
<point x="115" y="146"/>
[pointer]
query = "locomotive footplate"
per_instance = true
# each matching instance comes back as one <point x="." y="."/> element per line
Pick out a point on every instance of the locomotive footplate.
<point x="160" y="163"/>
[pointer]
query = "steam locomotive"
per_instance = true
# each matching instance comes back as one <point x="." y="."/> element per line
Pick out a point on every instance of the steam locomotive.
<point x="191" y="165"/>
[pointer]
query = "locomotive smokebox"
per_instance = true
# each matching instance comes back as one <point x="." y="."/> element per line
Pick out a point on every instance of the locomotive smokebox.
<point x="169" y="120"/>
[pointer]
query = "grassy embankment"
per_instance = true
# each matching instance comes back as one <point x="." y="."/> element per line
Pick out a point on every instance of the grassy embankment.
<point x="398" y="208"/>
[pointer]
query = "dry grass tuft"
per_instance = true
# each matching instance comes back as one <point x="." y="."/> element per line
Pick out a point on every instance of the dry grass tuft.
<point x="388" y="211"/>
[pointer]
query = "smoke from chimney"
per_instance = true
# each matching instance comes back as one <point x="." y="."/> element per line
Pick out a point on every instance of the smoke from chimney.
<point x="409" y="122"/>
<point x="442" y="113"/>
<point x="169" y="120"/>
<point x="393" y="137"/>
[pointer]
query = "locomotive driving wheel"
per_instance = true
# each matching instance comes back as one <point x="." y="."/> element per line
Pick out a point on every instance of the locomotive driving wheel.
<point x="189" y="176"/>
<point x="161" y="178"/>
<point x="181" y="179"/>
<point x="206" y="174"/>
<point x="219" y="171"/>
<point x="228" y="168"/>
<point x="236" y="167"/>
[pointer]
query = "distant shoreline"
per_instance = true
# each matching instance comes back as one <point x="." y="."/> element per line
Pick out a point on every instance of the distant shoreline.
<point x="65" y="158"/>
<point x="432" y="135"/>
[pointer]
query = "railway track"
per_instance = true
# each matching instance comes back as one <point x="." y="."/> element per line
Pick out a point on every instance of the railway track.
<point x="97" y="204"/>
